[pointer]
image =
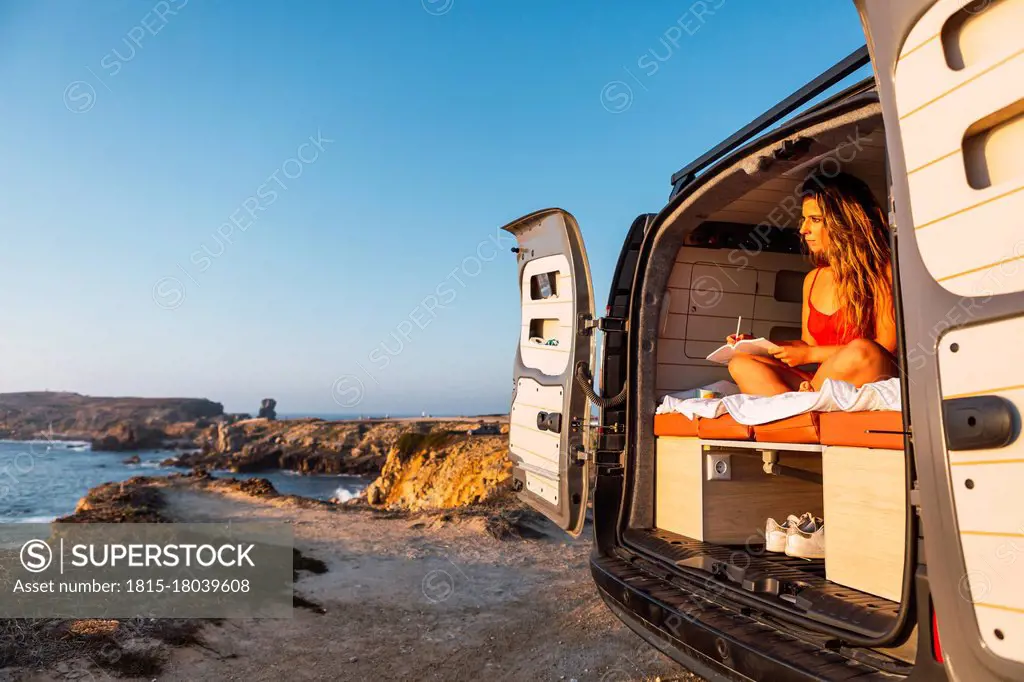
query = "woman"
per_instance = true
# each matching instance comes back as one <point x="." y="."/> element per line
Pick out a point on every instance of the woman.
<point x="849" y="326"/>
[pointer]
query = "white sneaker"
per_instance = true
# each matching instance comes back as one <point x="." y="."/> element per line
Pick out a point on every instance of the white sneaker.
<point x="775" y="533"/>
<point x="806" y="539"/>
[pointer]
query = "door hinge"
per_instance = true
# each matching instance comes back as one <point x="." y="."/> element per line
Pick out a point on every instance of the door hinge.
<point x="605" y="324"/>
<point x="603" y="459"/>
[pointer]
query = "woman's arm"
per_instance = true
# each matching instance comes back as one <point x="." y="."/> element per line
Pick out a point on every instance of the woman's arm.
<point x="885" y="316"/>
<point x="803" y="354"/>
<point x="819" y="354"/>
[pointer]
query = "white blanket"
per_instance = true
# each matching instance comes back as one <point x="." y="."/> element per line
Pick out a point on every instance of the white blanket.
<point x="834" y="396"/>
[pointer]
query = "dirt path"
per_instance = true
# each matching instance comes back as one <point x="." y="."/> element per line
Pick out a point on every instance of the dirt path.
<point x="406" y="601"/>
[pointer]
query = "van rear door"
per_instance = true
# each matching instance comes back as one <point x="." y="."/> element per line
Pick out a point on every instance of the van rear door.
<point x="951" y="81"/>
<point x="550" y="412"/>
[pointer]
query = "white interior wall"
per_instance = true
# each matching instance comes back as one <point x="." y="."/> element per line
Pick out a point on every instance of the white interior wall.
<point x="707" y="290"/>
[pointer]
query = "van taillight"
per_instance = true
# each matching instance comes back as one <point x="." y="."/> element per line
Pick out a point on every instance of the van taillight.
<point x="936" y="644"/>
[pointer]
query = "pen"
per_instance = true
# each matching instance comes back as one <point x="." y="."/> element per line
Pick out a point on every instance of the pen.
<point x="738" y="320"/>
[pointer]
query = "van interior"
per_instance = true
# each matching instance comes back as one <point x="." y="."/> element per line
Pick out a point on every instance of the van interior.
<point x="704" y="488"/>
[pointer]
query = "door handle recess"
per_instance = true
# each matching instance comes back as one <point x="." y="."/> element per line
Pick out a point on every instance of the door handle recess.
<point x="549" y="421"/>
<point x="981" y="422"/>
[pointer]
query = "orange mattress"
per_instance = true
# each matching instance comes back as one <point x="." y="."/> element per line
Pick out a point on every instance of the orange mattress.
<point x="674" y="424"/>
<point x="802" y="428"/>
<point x="882" y="429"/>
<point x="723" y="428"/>
<point x="852" y="428"/>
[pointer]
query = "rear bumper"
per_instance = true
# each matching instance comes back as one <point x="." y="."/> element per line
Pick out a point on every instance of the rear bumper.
<point x="710" y="640"/>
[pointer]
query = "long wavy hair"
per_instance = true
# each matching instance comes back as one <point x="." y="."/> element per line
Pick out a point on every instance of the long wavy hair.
<point x="858" y="247"/>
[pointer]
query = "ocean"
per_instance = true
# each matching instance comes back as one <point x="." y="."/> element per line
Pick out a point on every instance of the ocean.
<point x="40" y="480"/>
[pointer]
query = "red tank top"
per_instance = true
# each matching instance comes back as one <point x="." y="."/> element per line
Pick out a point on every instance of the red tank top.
<point x="827" y="330"/>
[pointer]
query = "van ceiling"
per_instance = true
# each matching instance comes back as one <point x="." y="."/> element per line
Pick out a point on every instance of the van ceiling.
<point x="867" y="160"/>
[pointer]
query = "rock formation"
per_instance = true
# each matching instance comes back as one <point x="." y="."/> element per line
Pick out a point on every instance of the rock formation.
<point x="126" y="436"/>
<point x="310" y="446"/>
<point x="268" y="409"/>
<point x="442" y="470"/>
<point x="72" y="416"/>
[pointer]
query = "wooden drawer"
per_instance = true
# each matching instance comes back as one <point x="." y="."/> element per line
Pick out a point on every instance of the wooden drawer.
<point x="865" y="519"/>
<point x="733" y="511"/>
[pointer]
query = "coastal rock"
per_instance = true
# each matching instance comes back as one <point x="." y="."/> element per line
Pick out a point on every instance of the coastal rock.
<point x="268" y="409"/>
<point x="230" y="438"/>
<point x="134" y="459"/>
<point x="439" y="470"/>
<point x="131" y="501"/>
<point x="72" y="416"/>
<point x="485" y="429"/>
<point x="255" y="457"/>
<point x="127" y="436"/>
<point x="314" y="446"/>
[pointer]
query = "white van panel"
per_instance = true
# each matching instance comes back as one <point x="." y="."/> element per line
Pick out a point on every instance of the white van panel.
<point x="542" y="486"/>
<point x="674" y="377"/>
<point x="554" y="315"/>
<point x="989" y="516"/>
<point x="538" y="450"/>
<point x="767" y="308"/>
<point x="966" y="206"/>
<point x="707" y="290"/>
<point x="708" y="302"/>
<point x="728" y="278"/>
<point x="777" y="202"/>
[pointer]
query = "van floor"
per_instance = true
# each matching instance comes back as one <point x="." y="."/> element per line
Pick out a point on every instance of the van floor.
<point x="795" y="585"/>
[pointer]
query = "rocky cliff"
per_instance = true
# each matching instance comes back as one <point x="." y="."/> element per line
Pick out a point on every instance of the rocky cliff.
<point x="420" y="464"/>
<point x="117" y="423"/>
<point x="442" y="470"/>
<point x="315" y="446"/>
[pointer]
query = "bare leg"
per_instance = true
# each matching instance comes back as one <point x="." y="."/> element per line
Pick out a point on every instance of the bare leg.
<point x="859" y="362"/>
<point x="756" y="375"/>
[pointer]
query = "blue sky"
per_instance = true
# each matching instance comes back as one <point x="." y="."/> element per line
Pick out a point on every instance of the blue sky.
<point x="242" y="200"/>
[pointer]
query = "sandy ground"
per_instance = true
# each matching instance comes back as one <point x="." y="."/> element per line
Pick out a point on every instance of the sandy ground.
<point x="411" y="599"/>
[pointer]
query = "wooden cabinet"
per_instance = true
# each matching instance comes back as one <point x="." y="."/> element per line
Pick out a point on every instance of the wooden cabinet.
<point x="734" y="511"/>
<point x="865" y="519"/>
<point x="862" y="498"/>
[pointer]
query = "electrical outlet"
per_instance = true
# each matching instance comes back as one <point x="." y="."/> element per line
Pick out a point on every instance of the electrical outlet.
<point x="719" y="467"/>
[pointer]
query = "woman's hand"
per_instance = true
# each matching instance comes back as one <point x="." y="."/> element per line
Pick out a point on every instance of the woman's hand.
<point x="793" y="355"/>
<point x="733" y="338"/>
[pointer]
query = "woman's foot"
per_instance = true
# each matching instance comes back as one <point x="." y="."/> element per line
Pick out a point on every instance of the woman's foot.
<point x="806" y="387"/>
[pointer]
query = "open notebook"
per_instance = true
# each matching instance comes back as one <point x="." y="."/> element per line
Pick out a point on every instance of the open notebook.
<point x="760" y="346"/>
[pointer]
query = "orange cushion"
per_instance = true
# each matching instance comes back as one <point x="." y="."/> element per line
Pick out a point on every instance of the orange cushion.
<point x="802" y="428"/>
<point x="723" y="428"/>
<point x="674" y="424"/>
<point x="851" y="428"/>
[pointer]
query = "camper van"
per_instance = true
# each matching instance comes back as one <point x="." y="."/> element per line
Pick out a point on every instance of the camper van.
<point x="922" y="570"/>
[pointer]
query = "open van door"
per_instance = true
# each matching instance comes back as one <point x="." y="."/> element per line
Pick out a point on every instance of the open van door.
<point x="550" y="411"/>
<point x="951" y="81"/>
